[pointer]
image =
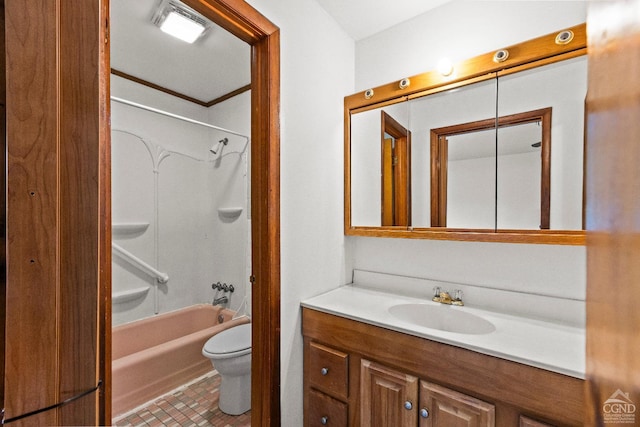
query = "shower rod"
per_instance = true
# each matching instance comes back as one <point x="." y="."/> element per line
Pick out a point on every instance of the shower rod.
<point x="175" y="116"/>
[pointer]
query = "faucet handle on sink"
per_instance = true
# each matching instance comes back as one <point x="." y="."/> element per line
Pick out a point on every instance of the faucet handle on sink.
<point x="436" y="294"/>
<point x="457" y="299"/>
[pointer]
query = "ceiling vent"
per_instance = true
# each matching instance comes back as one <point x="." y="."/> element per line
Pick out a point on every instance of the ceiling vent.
<point x="180" y="21"/>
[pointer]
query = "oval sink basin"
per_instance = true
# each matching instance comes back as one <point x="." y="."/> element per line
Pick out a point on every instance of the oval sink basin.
<point x="442" y="317"/>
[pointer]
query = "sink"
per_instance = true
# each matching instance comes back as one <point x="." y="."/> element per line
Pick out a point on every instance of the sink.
<point x="442" y="317"/>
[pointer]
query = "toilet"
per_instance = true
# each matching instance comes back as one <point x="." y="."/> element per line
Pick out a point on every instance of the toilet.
<point x="230" y="354"/>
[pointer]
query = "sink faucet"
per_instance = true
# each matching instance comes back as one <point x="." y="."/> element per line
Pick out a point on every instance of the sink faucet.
<point x="443" y="297"/>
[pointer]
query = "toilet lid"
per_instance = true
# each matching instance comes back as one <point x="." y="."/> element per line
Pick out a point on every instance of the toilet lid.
<point x="234" y="339"/>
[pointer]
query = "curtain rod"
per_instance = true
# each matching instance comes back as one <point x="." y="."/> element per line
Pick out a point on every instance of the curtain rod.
<point x="175" y="116"/>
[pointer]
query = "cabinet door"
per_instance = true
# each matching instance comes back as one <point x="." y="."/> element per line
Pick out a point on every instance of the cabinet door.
<point x="529" y="422"/>
<point x="443" y="407"/>
<point x="388" y="398"/>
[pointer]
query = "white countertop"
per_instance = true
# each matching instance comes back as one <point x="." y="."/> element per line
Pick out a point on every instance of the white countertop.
<point x="551" y="346"/>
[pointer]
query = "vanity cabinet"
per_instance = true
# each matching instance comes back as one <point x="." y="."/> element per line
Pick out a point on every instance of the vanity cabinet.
<point x="389" y="397"/>
<point x="356" y="374"/>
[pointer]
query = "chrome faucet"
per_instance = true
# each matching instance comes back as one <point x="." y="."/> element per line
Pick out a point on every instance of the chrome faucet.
<point x="222" y="300"/>
<point x="443" y="297"/>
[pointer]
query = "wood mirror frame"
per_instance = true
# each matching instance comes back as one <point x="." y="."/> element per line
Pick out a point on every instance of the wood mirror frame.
<point x="527" y="55"/>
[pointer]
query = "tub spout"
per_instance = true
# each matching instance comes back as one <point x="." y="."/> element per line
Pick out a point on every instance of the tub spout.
<point x="222" y="300"/>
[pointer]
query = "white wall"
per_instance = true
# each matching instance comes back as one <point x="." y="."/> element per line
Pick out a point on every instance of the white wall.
<point x="196" y="246"/>
<point x="459" y="30"/>
<point x="317" y="60"/>
<point x="230" y="181"/>
<point x="317" y="70"/>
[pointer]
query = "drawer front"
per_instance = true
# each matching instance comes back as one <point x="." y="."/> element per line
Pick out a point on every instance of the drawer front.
<point x="329" y="370"/>
<point x="326" y="411"/>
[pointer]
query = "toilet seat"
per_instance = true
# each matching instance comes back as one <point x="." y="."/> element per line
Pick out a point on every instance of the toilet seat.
<point x="232" y="342"/>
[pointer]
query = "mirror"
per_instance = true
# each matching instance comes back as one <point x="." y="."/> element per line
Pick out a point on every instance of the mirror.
<point x="439" y="111"/>
<point x="562" y="87"/>
<point x="465" y="188"/>
<point x="379" y="135"/>
<point x="494" y="153"/>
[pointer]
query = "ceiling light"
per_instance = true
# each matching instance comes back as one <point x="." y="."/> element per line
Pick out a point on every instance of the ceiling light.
<point x="179" y="21"/>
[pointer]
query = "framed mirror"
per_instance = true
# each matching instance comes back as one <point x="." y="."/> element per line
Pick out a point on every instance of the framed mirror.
<point x="493" y="151"/>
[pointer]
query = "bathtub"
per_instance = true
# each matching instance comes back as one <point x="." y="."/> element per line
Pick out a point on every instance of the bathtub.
<point x="158" y="354"/>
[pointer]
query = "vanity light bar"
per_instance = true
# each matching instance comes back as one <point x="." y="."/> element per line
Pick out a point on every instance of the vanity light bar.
<point x="568" y="42"/>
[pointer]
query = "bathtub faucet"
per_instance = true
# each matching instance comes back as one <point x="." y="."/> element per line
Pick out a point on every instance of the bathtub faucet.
<point x="222" y="300"/>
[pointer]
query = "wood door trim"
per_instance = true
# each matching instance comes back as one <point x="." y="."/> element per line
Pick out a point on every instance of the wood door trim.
<point x="180" y="95"/>
<point x="439" y="159"/>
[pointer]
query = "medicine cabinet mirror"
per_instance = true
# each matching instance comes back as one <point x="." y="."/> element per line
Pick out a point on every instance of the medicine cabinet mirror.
<point x="492" y="152"/>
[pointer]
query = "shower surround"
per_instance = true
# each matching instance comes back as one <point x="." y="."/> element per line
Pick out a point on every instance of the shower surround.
<point x="171" y="202"/>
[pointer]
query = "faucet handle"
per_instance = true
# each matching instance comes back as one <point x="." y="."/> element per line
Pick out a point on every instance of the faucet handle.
<point x="436" y="294"/>
<point x="457" y="300"/>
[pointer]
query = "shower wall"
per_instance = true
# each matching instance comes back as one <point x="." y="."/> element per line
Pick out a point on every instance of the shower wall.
<point x="167" y="192"/>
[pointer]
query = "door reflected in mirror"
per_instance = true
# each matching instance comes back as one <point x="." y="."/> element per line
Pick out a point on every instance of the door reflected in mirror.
<point x="396" y="172"/>
<point x="383" y="196"/>
<point x="471" y="187"/>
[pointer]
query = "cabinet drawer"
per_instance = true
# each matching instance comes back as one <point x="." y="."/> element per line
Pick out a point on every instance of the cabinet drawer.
<point x="326" y="411"/>
<point x="329" y="370"/>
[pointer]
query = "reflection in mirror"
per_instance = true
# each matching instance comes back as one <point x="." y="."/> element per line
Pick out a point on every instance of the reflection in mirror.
<point x="396" y="172"/>
<point x="369" y="129"/>
<point x="463" y="176"/>
<point x="561" y="86"/>
<point x="463" y="179"/>
<point x="465" y="104"/>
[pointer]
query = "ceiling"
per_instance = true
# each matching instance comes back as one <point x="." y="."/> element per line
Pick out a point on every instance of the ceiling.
<point x="220" y="63"/>
<point x="361" y="18"/>
<point x="215" y="65"/>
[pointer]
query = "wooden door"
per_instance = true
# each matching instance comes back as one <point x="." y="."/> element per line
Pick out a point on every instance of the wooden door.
<point x="612" y="215"/>
<point x="56" y="223"/>
<point x="443" y="407"/>
<point x="388" y="398"/>
<point x="396" y="172"/>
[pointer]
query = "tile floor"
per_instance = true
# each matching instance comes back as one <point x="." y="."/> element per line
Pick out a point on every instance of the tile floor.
<point x="193" y="405"/>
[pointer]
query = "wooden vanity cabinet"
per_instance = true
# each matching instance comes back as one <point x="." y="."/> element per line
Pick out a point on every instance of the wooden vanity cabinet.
<point x="395" y="399"/>
<point x="386" y="378"/>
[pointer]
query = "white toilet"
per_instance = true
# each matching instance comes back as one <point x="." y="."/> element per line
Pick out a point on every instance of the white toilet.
<point x="230" y="353"/>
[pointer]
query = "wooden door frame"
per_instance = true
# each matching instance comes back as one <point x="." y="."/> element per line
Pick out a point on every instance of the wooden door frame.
<point x="246" y="23"/>
<point x="440" y="154"/>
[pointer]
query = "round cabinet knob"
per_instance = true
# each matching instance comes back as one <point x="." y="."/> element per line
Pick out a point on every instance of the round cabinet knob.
<point x="424" y="413"/>
<point x="324" y="371"/>
<point x="324" y="420"/>
<point x="408" y="405"/>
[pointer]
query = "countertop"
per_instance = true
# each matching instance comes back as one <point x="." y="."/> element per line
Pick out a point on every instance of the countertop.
<point x="551" y="346"/>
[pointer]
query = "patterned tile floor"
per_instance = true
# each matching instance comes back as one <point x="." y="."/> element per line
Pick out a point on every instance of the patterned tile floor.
<point x="193" y="405"/>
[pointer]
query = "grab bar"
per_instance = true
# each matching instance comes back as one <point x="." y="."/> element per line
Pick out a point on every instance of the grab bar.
<point x="127" y="256"/>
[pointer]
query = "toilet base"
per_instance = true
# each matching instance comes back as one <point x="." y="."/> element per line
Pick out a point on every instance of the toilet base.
<point x="235" y="394"/>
